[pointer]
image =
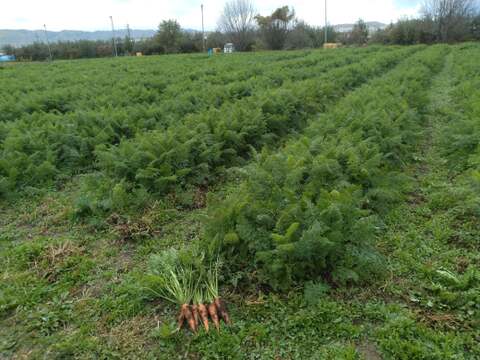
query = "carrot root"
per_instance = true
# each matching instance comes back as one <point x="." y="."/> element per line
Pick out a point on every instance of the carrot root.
<point x="202" y="310"/>
<point x="180" y="319"/>
<point x="196" y="315"/>
<point x="189" y="317"/>
<point x="222" y="309"/>
<point x="212" y="310"/>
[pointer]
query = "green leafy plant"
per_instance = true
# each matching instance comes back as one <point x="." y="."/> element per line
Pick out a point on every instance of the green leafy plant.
<point x="176" y="284"/>
<point x="310" y="210"/>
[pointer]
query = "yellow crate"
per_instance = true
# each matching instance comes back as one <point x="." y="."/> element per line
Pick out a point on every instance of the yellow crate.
<point x="331" y="45"/>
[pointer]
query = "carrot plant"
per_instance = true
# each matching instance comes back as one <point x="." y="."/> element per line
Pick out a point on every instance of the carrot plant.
<point x="182" y="278"/>
<point x="198" y="151"/>
<point x="201" y="308"/>
<point x="311" y="209"/>
<point x="53" y="134"/>
<point x="217" y="305"/>
<point x="378" y="183"/>
<point x="176" y="284"/>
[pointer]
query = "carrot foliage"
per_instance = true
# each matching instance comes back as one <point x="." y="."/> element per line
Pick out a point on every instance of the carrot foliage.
<point x="313" y="209"/>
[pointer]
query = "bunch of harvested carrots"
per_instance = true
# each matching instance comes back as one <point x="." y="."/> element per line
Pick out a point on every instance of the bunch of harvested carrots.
<point x="199" y="313"/>
<point x="199" y="300"/>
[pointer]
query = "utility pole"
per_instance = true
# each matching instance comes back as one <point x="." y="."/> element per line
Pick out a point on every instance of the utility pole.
<point x="129" y="45"/>
<point x="326" y="23"/>
<point x="204" y="42"/>
<point x="114" y="40"/>
<point x="128" y="31"/>
<point x="48" y="43"/>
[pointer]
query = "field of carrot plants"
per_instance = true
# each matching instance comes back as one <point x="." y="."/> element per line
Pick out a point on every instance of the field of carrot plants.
<point x="276" y="205"/>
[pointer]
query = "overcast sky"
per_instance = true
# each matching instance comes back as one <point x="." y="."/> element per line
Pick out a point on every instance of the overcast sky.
<point x="146" y="14"/>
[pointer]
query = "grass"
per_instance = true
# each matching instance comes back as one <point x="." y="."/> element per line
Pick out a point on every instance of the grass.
<point x="72" y="290"/>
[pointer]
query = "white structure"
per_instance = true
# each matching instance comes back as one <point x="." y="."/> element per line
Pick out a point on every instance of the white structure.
<point x="228" y="48"/>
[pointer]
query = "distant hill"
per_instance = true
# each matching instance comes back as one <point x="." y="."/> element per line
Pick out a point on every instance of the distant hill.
<point x="25" y="37"/>
<point x="372" y="26"/>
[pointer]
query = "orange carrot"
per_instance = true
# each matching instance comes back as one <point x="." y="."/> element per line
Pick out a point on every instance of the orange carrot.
<point x="222" y="309"/>
<point x="195" y="314"/>
<point x="180" y="319"/>
<point x="212" y="310"/>
<point x="189" y="317"/>
<point x="202" y="309"/>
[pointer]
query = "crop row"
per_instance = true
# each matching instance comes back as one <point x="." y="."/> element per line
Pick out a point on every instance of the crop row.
<point x="463" y="134"/>
<point x="134" y="115"/>
<point x="197" y="151"/>
<point x="65" y="86"/>
<point x="308" y="211"/>
<point x="64" y="89"/>
<point x="172" y="104"/>
<point x="48" y="146"/>
<point x="460" y="138"/>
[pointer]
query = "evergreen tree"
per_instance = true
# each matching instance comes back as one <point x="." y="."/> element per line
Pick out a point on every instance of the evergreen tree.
<point x="276" y="27"/>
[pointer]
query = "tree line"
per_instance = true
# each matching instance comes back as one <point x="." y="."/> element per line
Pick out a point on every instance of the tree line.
<point x="441" y="21"/>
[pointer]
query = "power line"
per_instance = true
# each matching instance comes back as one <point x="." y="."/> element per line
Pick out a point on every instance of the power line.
<point x="113" y="35"/>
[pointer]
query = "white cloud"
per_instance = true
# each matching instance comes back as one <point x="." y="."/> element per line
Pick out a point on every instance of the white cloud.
<point x="146" y="14"/>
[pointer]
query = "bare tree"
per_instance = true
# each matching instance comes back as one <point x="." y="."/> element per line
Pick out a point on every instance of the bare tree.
<point x="451" y="18"/>
<point x="359" y="33"/>
<point x="238" y="23"/>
